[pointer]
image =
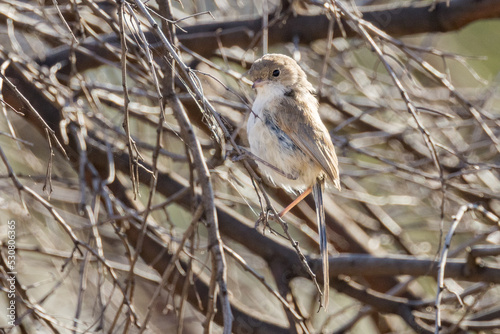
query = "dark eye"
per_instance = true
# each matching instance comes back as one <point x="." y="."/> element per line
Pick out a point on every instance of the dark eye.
<point x="276" y="73"/>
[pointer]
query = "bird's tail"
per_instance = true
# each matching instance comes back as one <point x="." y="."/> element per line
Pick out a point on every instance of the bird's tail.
<point x="318" y="189"/>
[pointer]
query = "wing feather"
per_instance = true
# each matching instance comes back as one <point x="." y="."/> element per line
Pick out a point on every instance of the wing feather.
<point x="308" y="132"/>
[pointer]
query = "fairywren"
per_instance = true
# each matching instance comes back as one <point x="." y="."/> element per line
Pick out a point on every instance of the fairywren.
<point x="286" y="131"/>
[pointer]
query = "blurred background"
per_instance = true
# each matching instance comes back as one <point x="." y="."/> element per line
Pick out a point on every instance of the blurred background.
<point x="102" y="177"/>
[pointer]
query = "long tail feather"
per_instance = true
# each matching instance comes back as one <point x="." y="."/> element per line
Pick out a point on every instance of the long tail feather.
<point x="318" y="189"/>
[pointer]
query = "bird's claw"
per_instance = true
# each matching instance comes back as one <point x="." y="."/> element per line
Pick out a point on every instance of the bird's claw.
<point x="235" y="156"/>
<point x="264" y="218"/>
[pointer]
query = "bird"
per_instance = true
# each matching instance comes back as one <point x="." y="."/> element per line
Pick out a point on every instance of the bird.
<point x="293" y="147"/>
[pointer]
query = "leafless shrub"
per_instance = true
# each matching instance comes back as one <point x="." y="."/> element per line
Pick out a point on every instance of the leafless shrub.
<point x="136" y="205"/>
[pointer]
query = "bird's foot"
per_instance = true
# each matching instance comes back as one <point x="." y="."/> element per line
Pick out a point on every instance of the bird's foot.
<point x="265" y="217"/>
<point x="234" y="156"/>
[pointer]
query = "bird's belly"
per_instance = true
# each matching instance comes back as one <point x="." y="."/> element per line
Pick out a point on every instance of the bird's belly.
<point x="272" y="145"/>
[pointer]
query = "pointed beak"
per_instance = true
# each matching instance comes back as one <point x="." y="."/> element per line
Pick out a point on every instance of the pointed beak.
<point x="258" y="83"/>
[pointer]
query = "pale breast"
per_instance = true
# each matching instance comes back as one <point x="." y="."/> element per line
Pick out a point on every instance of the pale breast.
<point x="271" y="144"/>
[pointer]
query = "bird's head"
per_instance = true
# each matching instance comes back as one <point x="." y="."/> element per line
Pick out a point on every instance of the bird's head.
<point x="276" y="70"/>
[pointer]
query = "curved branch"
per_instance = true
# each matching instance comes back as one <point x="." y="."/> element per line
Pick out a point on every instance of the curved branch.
<point x="203" y="38"/>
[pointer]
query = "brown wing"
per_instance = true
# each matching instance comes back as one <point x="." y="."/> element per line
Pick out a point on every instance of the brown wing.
<point x="310" y="135"/>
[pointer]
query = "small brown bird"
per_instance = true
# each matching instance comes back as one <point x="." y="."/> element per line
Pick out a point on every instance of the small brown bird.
<point x="286" y="131"/>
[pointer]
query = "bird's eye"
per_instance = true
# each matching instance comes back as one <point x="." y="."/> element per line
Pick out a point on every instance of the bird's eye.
<point x="276" y="73"/>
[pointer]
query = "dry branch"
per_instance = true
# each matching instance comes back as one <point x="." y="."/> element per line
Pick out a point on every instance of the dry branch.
<point x="391" y="175"/>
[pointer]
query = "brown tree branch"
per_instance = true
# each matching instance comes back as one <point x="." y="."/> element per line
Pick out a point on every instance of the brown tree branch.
<point x="236" y="226"/>
<point x="202" y="38"/>
<point x="377" y="272"/>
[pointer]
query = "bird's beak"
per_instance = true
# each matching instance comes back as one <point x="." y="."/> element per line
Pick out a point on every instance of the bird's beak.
<point x="258" y="83"/>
